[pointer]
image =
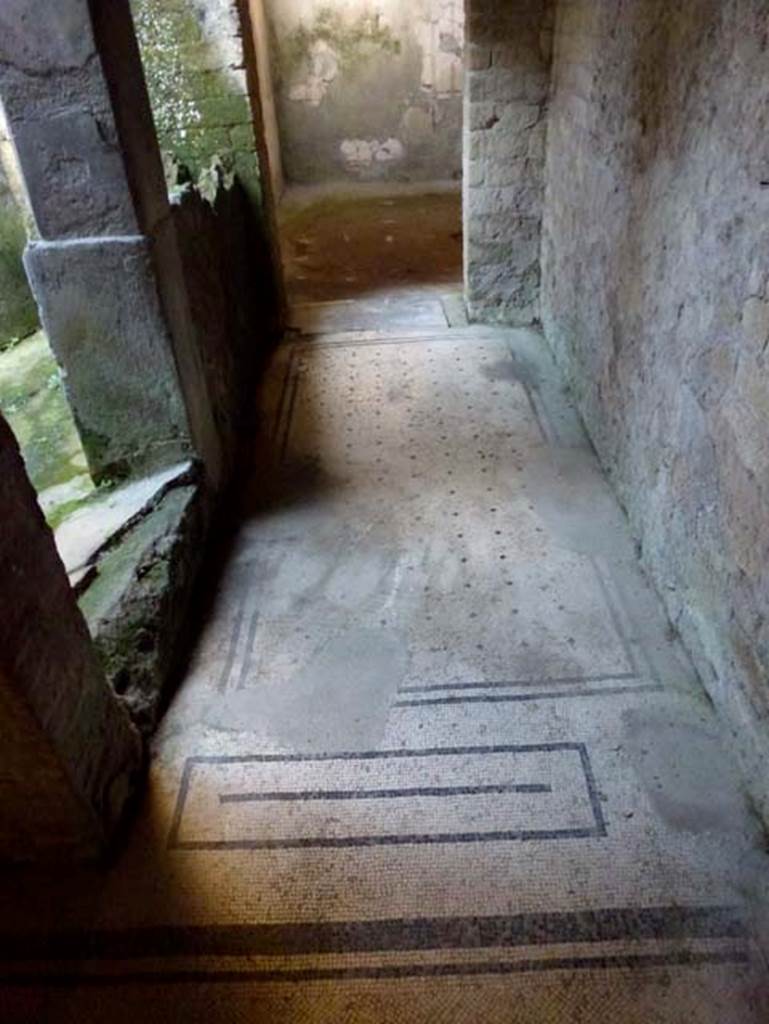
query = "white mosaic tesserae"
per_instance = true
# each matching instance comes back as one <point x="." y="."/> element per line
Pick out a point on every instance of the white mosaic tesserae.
<point x="437" y="756"/>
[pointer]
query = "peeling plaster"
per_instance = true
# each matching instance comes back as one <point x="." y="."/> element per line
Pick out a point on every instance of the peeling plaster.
<point x="368" y="88"/>
<point x="359" y="154"/>
<point x="441" y="34"/>
<point x="323" y="69"/>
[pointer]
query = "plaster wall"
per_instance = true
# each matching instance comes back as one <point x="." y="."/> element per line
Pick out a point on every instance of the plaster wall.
<point x="368" y="89"/>
<point x="656" y="302"/>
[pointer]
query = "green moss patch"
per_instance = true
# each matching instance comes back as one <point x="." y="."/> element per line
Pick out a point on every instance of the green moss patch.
<point x="32" y="399"/>
<point x="201" y="117"/>
<point x="18" y="312"/>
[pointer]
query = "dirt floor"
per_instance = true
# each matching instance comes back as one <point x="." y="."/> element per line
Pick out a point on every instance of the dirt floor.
<point x="340" y="246"/>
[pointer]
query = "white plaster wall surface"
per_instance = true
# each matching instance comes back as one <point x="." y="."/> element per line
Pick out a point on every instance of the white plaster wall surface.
<point x="312" y="83"/>
<point x="656" y="300"/>
<point x="440" y="29"/>
<point x="368" y="90"/>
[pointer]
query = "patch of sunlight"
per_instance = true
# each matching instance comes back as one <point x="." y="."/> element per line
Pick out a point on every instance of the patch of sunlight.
<point x="32" y="399"/>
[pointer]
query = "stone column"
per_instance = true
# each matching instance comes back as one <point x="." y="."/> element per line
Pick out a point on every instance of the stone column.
<point x="105" y="270"/>
<point x="506" y="88"/>
<point x="69" y="755"/>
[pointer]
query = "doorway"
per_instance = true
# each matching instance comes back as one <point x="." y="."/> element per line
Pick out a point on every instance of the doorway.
<point x="364" y="113"/>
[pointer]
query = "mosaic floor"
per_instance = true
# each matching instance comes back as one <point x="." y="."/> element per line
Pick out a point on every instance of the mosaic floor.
<point x="437" y="757"/>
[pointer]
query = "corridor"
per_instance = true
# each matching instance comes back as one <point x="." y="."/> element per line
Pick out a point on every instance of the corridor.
<point x="402" y="654"/>
<point x="437" y="756"/>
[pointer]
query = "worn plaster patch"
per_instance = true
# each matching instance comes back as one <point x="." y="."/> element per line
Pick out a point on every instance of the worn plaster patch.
<point x="361" y="154"/>
<point x="417" y="126"/>
<point x="440" y="34"/>
<point x="319" y="71"/>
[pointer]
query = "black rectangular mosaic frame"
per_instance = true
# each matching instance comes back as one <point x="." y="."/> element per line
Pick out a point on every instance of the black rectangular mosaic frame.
<point x="596" y="828"/>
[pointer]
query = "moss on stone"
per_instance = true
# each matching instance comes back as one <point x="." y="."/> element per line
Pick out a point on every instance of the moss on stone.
<point x="62" y="510"/>
<point x="18" y="312"/>
<point x="32" y="399"/>
<point x="98" y="447"/>
<point x="135" y="604"/>
<point x="195" y="103"/>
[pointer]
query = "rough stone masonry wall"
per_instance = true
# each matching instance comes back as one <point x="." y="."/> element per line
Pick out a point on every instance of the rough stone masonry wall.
<point x="199" y="59"/>
<point x="194" y="64"/>
<point x="656" y="300"/>
<point x="368" y="89"/>
<point x="70" y="756"/>
<point x="508" y="71"/>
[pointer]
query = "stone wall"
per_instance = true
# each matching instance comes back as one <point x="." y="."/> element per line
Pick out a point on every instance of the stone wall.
<point x="70" y="757"/>
<point x="504" y="151"/>
<point x="368" y="89"/>
<point x="228" y="297"/>
<point x="192" y="51"/>
<point x="656" y="300"/>
<point x="205" y="90"/>
<point x="104" y="267"/>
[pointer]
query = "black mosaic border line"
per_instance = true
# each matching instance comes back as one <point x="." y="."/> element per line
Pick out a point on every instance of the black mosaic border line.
<point x="597" y="830"/>
<point x="453" y="335"/>
<point x="631" y="961"/>
<point x="518" y="698"/>
<point x="382" y="935"/>
<point x="619" y="677"/>
<point x="399" y="839"/>
<point x="382" y="755"/>
<point x="294" y="391"/>
<point x="284" y="390"/>
<point x="232" y="646"/>
<point x="310" y="795"/>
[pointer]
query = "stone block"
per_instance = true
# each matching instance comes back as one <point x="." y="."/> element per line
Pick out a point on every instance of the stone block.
<point x="497" y="85"/>
<point x="60" y="115"/>
<point x="100" y="307"/>
<point x="481" y="116"/>
<point x="74" y="176"/>
<point x="475" y="174"/>
<point x="136" y="599"/>
<point x="58" y="39"/>
<point x="505" y="158"/>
